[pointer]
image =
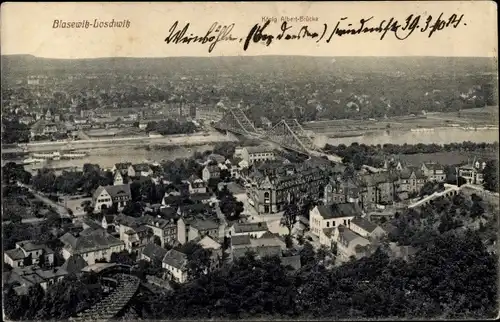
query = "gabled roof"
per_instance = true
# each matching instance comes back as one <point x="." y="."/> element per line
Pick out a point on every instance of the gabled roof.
<point x="434" y="166"/>
<point x="29" y="246"/>
<point x="292" y="261"/>
<point x="154" y="251"/>
<point x="364" y="224"/>
<point x="240" y="240"/>
<point x="176" y="259"/>
<point x="114" y="191"/>
<point x="346" y="235"/>
<point x="200" y="196"/>
<point x="339" y="210"/>
<point x="123" y="165"/>
<point x="203" y="224"/>
<point x="74" y="264"/>
<point x="259" y="149"/>
<point x="90" y="241"/>
<point x="142" y="167"/>
<point x="15" y="254"/>
<point x="406" y="173"/>
<point x="213" y="168"/>
<point x="250" y="227"/>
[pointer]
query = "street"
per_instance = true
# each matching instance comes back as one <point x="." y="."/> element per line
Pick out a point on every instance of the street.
<point x="63" y="212"/>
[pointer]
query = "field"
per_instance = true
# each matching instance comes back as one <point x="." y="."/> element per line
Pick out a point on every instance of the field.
<point x="477" y="116"/>
<point x="445" y="158"/>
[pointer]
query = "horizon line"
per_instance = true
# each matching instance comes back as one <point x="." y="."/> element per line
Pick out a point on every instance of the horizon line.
<point x="249" y="56"/>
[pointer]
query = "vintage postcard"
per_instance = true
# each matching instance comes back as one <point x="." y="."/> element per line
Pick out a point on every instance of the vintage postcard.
<point x="250" y="160"/>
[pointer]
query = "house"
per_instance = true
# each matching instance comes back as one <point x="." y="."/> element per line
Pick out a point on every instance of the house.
<point x="108" y="221"/>
<point x="140" y="170"/>
<point x="209" y="172"/>
<point x="291" y="261"/>
<point x="411" y="180"/>
<point x="164" y="229"/>
<point x="434" y="172"/>
<point x="472" y="172"/>
<point x="46" y="128"/>
<point x="196" y="185"/>
<point x="201" y="197"/>
<point x="252" y="154"/>
<point x="377" y="188"/>
<point x="122" y="167"/>
<point x="255" y="230"/>
<point x="91" y="244"/>
<point x="266" y="123"/>
<point x="217" y="158"/>
<point x="135" y="239"/>
<point x="175" y="263"/>
<point x="118" y="179"/>
<point x="267" y="245"/>
<point x="215" y="248"/>
<point x="28" y="253"/>
<point x="194" y="210"/>
<point x="274" y="186"/>
<point x="107" y="196"/>
<point x="153" y="252"/>
<point x="351" y="244"/>
<point x="366" y="228"/>
<point x="331" y="216"/>
<point x="74" y="264"/>
<point x="191" y="228"/>
<point x="25" y="277"/>
<point x="342" y="191"/>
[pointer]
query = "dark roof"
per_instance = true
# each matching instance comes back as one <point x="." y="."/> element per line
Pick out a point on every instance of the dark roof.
<point x="200" y="196"/>
<point x="203" y="224"/>
<point x="154" y="251"/>
<point x="123" y="166"/>
<point x="374" y="179"/>
<point x="29" y="246"/>
<point x="328" y="231"/>
<point x="169" y="212"/>
<point x="260" y="251"/>
<point x="213" y="168"/>
<point x="434" y="166"/>
<point x="292" y="261"/>
<point x="240" y="240"/>
<point x="15" y="254"/>
<point x="250" y="227"/>
<point x="196" y="208"/>
<point x="406" y="173"/>
<point x="74" y="264"/>
<point x="259" y="149"/>
<point x="91" y="240"/>
<point x="176" y="259"/>
<point x="142" y="167"/>
<point x="114" y="191"/>
<point x="364" y="224"/>
<point x="347" y="235"/>
<point x="339" y="210"/>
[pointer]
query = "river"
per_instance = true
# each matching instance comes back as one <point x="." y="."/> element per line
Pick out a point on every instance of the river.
<point x="438" y="136"/>
<point x="108" y="157"/>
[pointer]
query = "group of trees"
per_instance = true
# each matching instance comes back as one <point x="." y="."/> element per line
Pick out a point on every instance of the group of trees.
<point x="451" y="277"/>
<point x="229" y="205"/>
<point x="374" y="155"/>
<point x="14" y="132"/>
<point x="60" y="301"/>
<point x="70" y="182"/>
<point x="170" y="126"/>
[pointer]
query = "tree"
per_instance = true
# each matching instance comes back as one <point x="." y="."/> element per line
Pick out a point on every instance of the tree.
<point x="289" y="217"/>
<point x="157" y="240"/>
<point x="307" y="254"/>
<point x="490" y="175"/>
<point x="229" y="205"/>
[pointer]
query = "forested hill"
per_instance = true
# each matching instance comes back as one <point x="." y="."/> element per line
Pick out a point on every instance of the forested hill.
<point x="253" y="64"/>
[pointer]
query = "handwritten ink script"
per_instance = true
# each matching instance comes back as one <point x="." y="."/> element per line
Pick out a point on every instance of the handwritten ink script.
<point x="261" y="33"/>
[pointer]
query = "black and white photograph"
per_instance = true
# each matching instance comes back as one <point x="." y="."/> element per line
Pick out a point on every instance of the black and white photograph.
<point x="249" y="161"/>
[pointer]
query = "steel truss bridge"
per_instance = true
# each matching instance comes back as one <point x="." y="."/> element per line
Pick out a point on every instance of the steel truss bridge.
<point x="288" y="134"/>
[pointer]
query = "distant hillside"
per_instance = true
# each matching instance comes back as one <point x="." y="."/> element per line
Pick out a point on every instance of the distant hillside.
<point x="15" y="64"/>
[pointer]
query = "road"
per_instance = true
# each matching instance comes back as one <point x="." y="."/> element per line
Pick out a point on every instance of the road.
<point x="62" y="212"/>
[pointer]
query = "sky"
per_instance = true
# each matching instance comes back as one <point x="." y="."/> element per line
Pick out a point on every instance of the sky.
<point x="27" y="28"/>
